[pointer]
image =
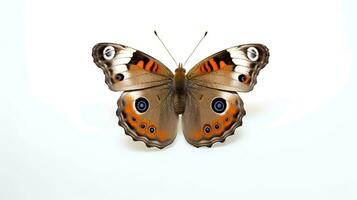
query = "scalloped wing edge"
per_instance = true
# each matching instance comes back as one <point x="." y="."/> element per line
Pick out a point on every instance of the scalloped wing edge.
<point x="227" y="133"/>
<point x="134" y="135"/>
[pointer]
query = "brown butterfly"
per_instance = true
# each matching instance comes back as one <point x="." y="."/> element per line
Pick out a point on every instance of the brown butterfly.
<point x="206" y="96"/>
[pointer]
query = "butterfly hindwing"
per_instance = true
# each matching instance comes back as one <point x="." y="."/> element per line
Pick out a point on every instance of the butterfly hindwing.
<point x="233" y="69"/>
<point x="147" y="115"/>
<point x="210" y="115"/>
<point x="126" y="68"/>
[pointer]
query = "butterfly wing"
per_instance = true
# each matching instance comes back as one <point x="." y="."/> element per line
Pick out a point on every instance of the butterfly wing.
<point x="145" y="107"/>
<point x="147" y="115"/>
<point x="211" y="115"/>
<point x="213" y="108"/>
<point x="233" y="69"/>
<point x="126" y="68"/>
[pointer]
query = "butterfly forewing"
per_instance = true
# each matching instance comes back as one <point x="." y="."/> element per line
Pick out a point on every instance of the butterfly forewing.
<point x="233" y="69"/>
<point x="126" y="68"/>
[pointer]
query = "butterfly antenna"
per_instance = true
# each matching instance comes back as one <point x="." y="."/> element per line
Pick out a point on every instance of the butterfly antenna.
<point x="195" y="48"/>
<point x="166" y="48"/>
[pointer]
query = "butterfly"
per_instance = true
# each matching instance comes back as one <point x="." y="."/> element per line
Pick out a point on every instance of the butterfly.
<point x="206" y="96"/>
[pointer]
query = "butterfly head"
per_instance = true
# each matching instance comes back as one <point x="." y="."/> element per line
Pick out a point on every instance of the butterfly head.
<point x="180" y="69"/>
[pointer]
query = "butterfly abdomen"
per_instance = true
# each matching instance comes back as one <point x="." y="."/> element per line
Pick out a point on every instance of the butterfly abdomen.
<point x="179" y="103"/>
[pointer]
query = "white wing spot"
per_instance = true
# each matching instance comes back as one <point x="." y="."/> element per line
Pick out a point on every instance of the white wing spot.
<point x="121" y="61"/>
<point x="119" y="69"/>
<point x="129" y="50"/>
<point x="252" y="54"/>
<point x="108" y="52"/>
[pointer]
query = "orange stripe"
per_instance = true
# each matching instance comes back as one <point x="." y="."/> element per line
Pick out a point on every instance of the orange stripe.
<point x="214" y="64"/>
<point x="140" y="64"/>
<point x="201" y="68"/>
<point x="156" y="67"/>
<point x="222" y="64"/>
<point x="152" y="67"/>
<point x="207" y="67"/>
<point x="148" y="65"/>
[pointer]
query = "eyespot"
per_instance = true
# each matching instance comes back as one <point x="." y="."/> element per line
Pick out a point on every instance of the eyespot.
<point x="108" y="52"/>
<point x="152" y="129"/>
<point x="207" y="129"/>
<point x="242" y="78"/>
<point x="142" y="125"/>
<point x="141" y="104"/>
<point x="119" y="77"/>
<point x="217" y="126"/>
<point x="252" y="54"/>
<point x="219" y="105"/>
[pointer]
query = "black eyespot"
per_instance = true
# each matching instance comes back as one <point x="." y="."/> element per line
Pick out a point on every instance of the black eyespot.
<point x="219" y="105"/>
<point x="119" y="77"/>
<point x="141" y="105"/>
<point x="133" y="118"/>
<point x="242" y="78"/>
<point x="142" y="125"/>
<point x="217" y="126"/>
<point x="207" y="129"/>
<point x="226" y="119"/>
<point x="152" y="129"/>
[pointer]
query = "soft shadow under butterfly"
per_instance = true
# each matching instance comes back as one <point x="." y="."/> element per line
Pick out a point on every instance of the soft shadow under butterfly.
<point x="206" y="96"/>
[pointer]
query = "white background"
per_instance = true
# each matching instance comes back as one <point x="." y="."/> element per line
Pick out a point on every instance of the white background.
<point x="59" y="136"/>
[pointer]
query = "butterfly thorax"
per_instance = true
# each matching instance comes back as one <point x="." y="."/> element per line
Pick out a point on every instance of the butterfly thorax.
<point x="179" y="78"/>
<point x="179" y="83"/>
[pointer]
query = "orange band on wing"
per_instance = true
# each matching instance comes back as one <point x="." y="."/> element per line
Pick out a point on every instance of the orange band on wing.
<point x="140" y="64"/>
<point x="156" y="68"/>
<point x="222" y="64"/>
<point x="148" y="65"/>
<point x="208" y="69"/>
<point x="218" y="126"/>
<point x="202" y="69"/>
<point x="213" y="64"/>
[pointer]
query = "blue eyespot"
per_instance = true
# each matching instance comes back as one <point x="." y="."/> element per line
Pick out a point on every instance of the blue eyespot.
<point x="219" y="105"/>
<point x="207" y="129"/>
<point x="141" y="105"/>
<point x="152" y="129"/>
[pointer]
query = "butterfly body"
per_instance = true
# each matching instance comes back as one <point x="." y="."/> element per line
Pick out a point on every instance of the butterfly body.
<point x="206" y="97"/>
<point x="179" y="83"/>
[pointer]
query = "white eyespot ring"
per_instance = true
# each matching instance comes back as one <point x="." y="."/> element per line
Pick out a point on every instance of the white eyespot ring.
<point x="108" y="52"/>
<point x="252" y="54"/>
